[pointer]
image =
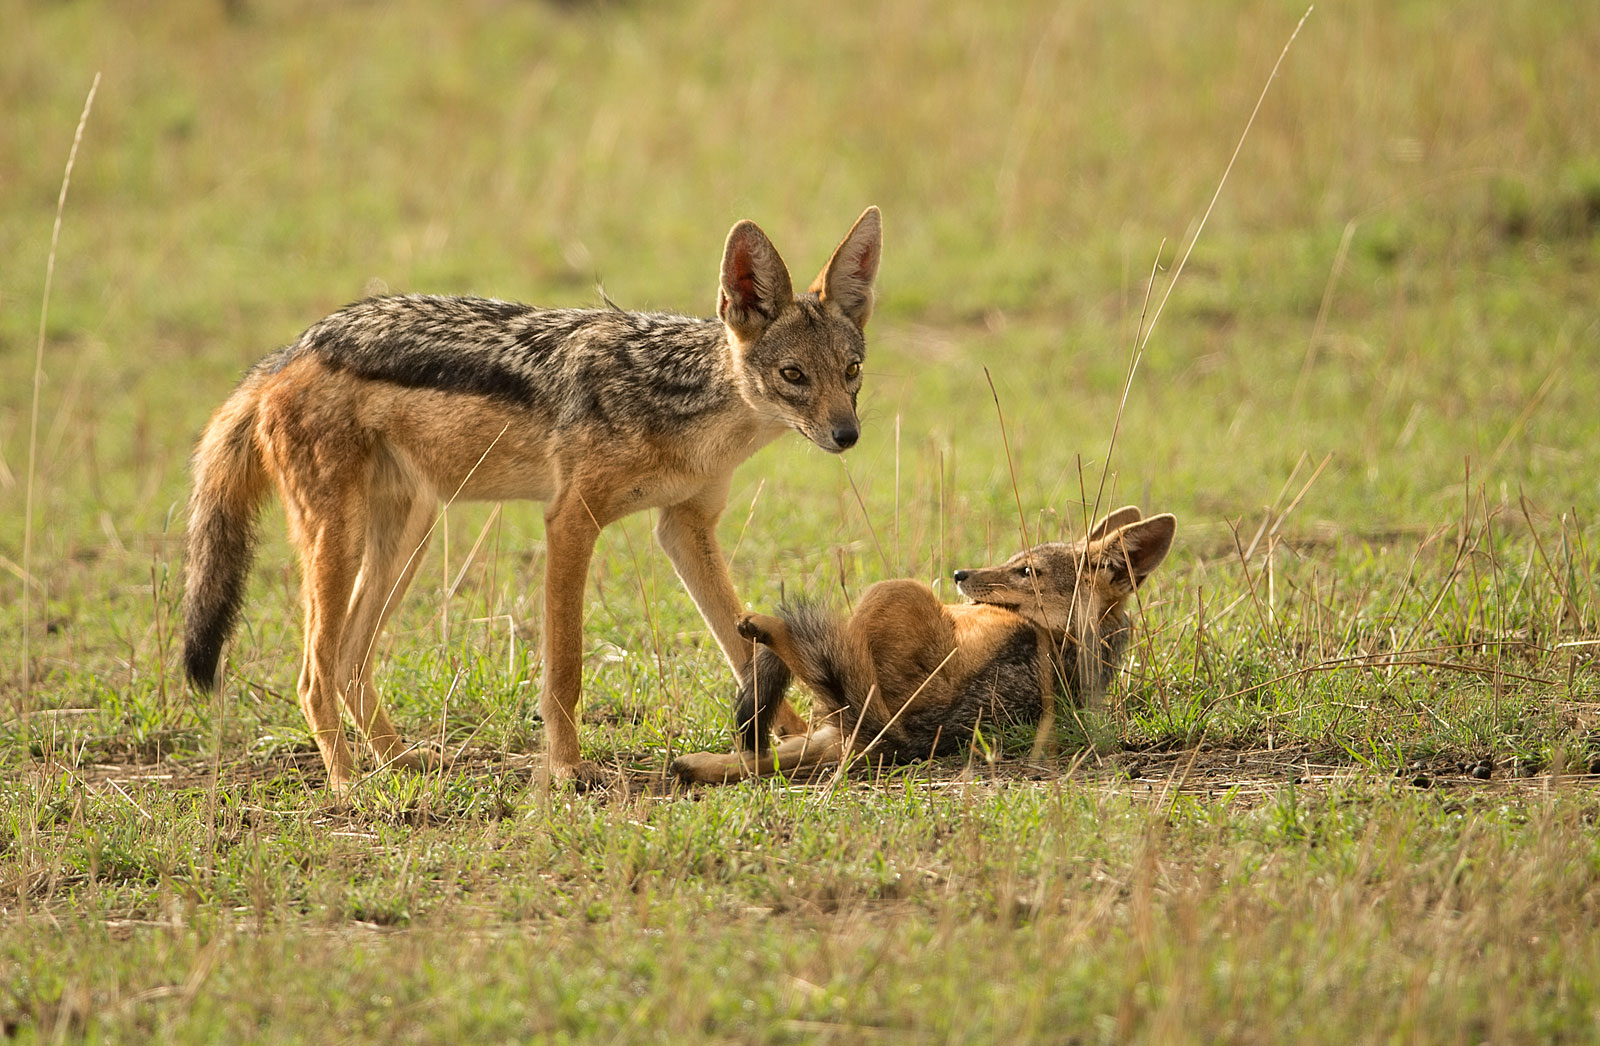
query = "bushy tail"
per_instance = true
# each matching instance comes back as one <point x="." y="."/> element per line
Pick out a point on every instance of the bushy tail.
<point x="759" y="696"/>
<point x="230" y="484"/>
<point x="833" y="664"/>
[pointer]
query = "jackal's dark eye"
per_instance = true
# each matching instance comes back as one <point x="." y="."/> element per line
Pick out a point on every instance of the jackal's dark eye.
<point x="852" y="370"/>
<point x="793" y="375"/>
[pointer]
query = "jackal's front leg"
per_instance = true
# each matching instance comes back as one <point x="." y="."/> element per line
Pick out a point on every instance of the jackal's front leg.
<point x="570" y="533"/>
<point x="688" y="533"/>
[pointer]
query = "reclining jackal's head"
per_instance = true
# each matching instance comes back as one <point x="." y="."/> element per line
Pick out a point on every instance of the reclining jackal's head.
<point x="798" y="359"/>
<point x="1077" y="591"/>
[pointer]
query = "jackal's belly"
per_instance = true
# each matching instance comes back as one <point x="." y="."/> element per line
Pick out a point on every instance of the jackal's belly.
<point x="908" y="633"/>
<point x="467" y="447"/>
<point x="492" y="461"/>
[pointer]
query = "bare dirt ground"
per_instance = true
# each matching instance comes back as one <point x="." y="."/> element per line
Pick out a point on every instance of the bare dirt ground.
<point x="1223" y="774"/>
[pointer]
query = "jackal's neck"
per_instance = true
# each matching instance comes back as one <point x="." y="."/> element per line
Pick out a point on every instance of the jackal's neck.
<point x="1084" y="661"/>
<point x="682" y="373"/>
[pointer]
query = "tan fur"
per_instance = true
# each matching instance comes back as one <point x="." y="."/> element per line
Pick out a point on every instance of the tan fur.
<point x="363" y="431"/>
<point x="908" y="676"/>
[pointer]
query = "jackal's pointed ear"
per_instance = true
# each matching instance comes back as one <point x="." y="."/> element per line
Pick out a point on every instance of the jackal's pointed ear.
<point x="848" y="277"/>
<point x="1114" y="520"/>
<point x="1135" y="550"/>
<point x="755" y="283"/>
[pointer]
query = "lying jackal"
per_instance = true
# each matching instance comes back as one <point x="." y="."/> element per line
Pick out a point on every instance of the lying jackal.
<point x="908" y="677"/>
<point x="388" y="406"/>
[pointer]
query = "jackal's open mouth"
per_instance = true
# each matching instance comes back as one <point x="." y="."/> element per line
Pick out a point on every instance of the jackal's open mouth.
<point x="980" y="597"/>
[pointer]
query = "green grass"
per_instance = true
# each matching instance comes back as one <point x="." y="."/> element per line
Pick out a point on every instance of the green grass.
<point x="1270" y="832"/>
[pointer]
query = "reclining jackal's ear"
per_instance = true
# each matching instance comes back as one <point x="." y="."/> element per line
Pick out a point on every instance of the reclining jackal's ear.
<point x="848" y="277"/>
<point x="1135" y="550"/>
<point x="755" y="283"/>
<point x="1115" y="519"/>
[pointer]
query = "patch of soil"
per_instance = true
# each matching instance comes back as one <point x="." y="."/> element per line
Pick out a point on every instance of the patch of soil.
<point x="1223" y="773"/>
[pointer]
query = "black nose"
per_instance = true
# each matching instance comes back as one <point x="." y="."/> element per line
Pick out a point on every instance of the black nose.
<point x="961" y="575"/>
<point x="845" y="438"/>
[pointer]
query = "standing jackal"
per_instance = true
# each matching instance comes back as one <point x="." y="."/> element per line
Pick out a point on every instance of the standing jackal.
<point x="909" y="677"/>
<point x="387" y="406"/>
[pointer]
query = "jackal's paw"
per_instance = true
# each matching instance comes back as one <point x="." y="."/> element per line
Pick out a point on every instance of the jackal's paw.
<point x="789" y="723"/>
<point x="582" y="776"/>
<point x="755" y="628"/>
<point x="416" y="758"/>
<point x="708" y="767"/>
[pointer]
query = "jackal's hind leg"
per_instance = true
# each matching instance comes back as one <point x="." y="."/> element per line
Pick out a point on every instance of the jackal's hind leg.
<point x="329" y="544"/>
<point x="398" y="525"/>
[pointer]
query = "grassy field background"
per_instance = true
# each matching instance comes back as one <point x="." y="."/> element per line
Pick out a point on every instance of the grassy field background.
<point x="1343" y="791"/>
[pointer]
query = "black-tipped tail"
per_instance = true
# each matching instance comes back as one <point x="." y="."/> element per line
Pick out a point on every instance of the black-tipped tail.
<point x="229" y="486"/>
<point x="759" y="696"/>
<point x="212" y="601"/>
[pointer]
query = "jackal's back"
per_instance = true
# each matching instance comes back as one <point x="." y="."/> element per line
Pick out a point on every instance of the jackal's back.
<point x="569" y="366"/>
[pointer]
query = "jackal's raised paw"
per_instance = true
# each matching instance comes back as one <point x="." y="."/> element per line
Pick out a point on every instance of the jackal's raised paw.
<point x="756" y="627"/>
